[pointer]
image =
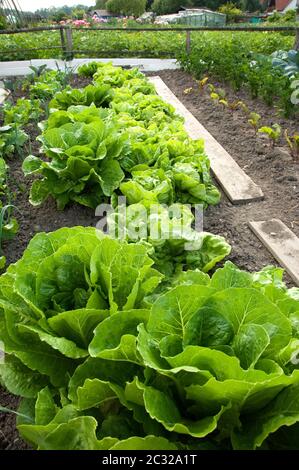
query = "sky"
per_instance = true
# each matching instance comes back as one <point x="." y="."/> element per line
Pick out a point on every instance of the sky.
<point x="32" y="5"/>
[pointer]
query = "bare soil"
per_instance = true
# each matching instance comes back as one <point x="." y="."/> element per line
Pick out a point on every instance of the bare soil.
<point x="272" y="169"/>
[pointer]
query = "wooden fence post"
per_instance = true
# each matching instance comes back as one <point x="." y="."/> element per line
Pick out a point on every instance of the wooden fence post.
<point x="69" y="44"/>
<point x="62" y="39"/>
<point x="188" y="42"/>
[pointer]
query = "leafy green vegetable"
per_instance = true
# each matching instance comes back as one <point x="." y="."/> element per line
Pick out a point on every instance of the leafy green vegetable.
<point x="175" y="245"/>
<point x="138" y="146"/>
<point x="12" y="140"/>
<point x="100" y="96"/>
<point x="83" y="164"/>
<point x="201" y="367"/>
<point x="23" y="112"/>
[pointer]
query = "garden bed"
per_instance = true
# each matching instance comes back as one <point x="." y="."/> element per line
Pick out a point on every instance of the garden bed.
<point x="272" y="169"/>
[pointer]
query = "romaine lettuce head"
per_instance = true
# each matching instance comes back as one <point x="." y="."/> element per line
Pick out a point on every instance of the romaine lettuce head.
<point x="212" y="363"/>
<point x="175" y="244"/>
<point x="66" y="283"/>
<point x="148" y="186"/>
<point x="97" y="95"/>
<point x="83" y="162"/>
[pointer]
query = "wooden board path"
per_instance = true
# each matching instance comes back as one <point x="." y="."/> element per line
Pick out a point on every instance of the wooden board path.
<point x="238" y="186"/>
<point x="281" y="242"/>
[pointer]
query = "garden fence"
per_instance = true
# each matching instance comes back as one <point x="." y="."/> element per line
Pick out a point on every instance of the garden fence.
<point x="68" y="50"/>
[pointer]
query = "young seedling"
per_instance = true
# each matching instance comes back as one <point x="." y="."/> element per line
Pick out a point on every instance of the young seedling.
<point x="234" y="105"/>
<point x="214" y="96"/>
<point x="8" y="228"/>
<point x="187" y="91"/>
<point x="273" y="133"/>
<point x="202" y="83"/>
<point x="38" y="71"/>
<point x="254" y="119"/>
<point x="224" y="103"/>
<point x="293" y="143"/>
<point x="211" y="88"/>
<point x="221" y="93"/>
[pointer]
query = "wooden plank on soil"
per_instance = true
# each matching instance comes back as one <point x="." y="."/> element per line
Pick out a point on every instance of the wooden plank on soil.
<point x="238" y="186"/>
<point x="281" y="242"/>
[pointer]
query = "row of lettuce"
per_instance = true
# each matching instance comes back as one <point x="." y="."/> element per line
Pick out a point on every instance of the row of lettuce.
<point x="130" y="344"/>
<point x="16" y="120"/>
<point x="117" y="138"/>
<point x="105" y="360"/>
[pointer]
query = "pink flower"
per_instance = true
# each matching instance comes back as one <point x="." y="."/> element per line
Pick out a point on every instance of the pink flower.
<point x="81" y="23"/>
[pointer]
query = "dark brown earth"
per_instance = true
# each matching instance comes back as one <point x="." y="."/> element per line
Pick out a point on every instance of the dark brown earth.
<point x="272" y="169"/>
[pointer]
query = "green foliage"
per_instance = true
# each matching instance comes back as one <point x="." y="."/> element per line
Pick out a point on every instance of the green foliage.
<point x="138" y="147"/>
<point x="288" y="61"/>
<point x="254" y="119"/>
<point x="101" y="4"/>
<point x="59" y="15"/>
<point x="208" y="365"/>
<point x="89" y="69"/>
<point x="65" y="10"/>
<point x="47" y="84"/>
<point x="100" y="96"/>
<point x="230" y="10"/>
<point x="78" y="13"/>
<point x="293" y="144"/>
<point x="174" y="245"/>
<point x="162" y="7"/>
<point x="126" y="7"/>
<point x="8" y="224"/>
<point x="287" y="17"/>
<point x="243" y="60"/>
<point x="251" y="5"/>
<point x="3" y="23"/>
<point x="273" y="132"/>
<point x="12" y="140"/>
<point x="22" y="112"/>
<point x="82" y="164"/>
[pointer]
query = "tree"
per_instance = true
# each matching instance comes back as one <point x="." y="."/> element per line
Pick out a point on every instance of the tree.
<point x="100" y="4"/>
<point x="3" y="24"/>
<point x="163" y="7"/>
<point x="59" y="15"/>
<point x="251" y="5"/>
<point x="78" y="14"/>
<point x="127" y="7"/>
<point x="149" y="4"/>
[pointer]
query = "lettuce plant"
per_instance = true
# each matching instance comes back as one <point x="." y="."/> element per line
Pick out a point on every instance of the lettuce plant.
<point x="56" y="294"/>
<point x="82" y="164"/>
<point x="99" y="96"/>
<point x="12" y="140"/>
<point x="117" y="136"/>
<point x="8" y="225"/>
<point x="210" y="364"/>
<point x="174" y="245"/>
<point x="22" y="112"/>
